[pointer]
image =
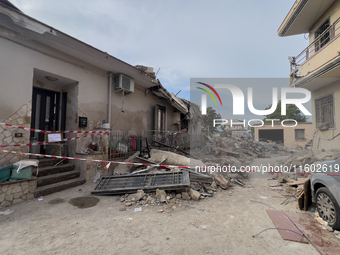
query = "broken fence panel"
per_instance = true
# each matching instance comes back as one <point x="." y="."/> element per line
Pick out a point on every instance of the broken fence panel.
<point x="112" y="185"/>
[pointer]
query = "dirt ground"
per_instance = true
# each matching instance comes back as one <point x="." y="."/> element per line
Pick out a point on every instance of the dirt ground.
<point x="223" y="224"/>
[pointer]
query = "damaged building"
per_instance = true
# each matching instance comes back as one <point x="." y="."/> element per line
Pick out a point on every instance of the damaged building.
<point x="52" y="81"/>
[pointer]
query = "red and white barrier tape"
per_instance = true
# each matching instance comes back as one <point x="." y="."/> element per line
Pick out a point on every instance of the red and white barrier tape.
<point x="94" y="160"/>
<point x="44" y="131"/>
<point x="43" y="143"/>
<point x="140" y="164"/>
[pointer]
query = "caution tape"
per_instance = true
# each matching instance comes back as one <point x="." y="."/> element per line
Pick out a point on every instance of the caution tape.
<point x="139" y="164"/>
<point x="44" y="143"/>
<point x="45" y="131"/>
<point x="94" y="160"/>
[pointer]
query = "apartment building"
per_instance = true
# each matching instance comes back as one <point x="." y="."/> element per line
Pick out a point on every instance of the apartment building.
<point x="317" y="67"/>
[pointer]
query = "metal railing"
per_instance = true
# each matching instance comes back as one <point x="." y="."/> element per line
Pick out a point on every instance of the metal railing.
<point x="123" y="143"/>
<point x="324" y="39"/>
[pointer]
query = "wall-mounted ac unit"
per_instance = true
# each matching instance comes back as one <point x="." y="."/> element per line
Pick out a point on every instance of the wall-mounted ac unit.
<point x="124" y="83"/>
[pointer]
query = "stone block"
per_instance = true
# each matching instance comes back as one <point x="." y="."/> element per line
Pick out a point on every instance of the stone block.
<point x="9" y="197"/>
<point x="30" y="196"/>
<point x="9" y="190"/>
<point x="14" y="122"/>
<point x="20" y="121"/>
<point x="16" y="201"/>
<point x="13" y="185"/>
<point x="8" y="156"/>
<point x="32" y="189"/>
<point x="24" y="185"/>
<point x="5" y="204"/>
<point x="2" y="197"/>
<point x="4" y="188"/>
<point x="17" y="189"/>
<point x="18" y="195"/>
<point x="7" y="133"/>
<point x="32" y="182"/>
<point x="22" y="111"/>
<point x="23" y="197"/>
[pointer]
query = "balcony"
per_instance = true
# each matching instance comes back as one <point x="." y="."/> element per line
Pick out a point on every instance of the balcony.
<point x="319" y="59"/>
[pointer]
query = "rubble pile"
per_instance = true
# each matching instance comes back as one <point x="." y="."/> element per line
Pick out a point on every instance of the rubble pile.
<point x="237" y="152"/>
<point x="307" y="157"/>
<point x="177" y="197"/>
<point x="200" y="185"/>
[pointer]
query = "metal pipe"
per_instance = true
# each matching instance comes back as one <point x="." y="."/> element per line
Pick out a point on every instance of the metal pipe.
<point x="109" y="100"/>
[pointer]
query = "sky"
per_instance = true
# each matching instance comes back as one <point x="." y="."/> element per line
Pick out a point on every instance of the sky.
<point x="181" y="39"/>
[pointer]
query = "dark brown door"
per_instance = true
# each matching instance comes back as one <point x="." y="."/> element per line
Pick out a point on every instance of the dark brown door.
<point x="45" y="114"/>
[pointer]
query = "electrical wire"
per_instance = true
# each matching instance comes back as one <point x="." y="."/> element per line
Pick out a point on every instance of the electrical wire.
<point x="281" y="229"/>
<point x="121" y="110"/>
<point x="262" y="203"/>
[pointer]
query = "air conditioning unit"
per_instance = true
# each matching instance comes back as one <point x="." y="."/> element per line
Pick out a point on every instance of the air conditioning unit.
<point x="124" y="83"/>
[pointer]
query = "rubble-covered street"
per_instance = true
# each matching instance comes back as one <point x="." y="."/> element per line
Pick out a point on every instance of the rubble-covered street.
<point x="223" y="224"/>
<point x="113" y="141"/>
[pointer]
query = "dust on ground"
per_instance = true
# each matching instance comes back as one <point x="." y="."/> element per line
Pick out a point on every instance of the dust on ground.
<point x="223" y="224"/>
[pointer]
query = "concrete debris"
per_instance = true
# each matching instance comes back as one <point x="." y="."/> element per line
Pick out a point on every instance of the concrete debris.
<point x="185" y="196"/>
<point x="305" y="158"/>
<point x="134" y="197"/>
<point x="122" y="169"/>
<point x="195" y="195"/>
<point x="161" y="195"/>
<point x="221" y="181"/>
<point x="173" y="158"/>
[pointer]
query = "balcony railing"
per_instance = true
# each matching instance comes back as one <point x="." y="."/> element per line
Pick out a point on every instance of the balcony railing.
<point x="327" y="37"/>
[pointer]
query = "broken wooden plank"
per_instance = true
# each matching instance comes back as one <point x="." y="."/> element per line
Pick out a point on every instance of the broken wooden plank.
<point x="307" y="195"/>
<point x="300" y="199"/>
<point x="323" y="240"/>
<point x="298" y="182"/>
<point x="228" y="153"/>
<point x="280" y="220"/>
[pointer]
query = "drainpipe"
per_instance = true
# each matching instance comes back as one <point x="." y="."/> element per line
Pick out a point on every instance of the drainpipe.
<point x="109" y="100"/>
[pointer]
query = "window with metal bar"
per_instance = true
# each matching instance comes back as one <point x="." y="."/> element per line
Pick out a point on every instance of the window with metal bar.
<point x="299" y="134"/>
<point x="324" y="112"/>
<point x="325" y="36"/>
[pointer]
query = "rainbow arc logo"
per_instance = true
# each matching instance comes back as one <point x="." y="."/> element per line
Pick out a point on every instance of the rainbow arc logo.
<point x="204" y="97"/>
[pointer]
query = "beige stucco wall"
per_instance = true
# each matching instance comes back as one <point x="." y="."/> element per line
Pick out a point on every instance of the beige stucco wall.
<point x="289" y="133"/>
<point x="328" y="53"/>
<point x="319" y="143"/>
<point x="333" y="13"/>
<point x="87" y="97"/>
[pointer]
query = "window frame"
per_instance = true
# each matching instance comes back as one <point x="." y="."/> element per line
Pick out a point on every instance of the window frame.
<point x="304" y="134"/>
<point x="157" y="120"/>
<point x="318" y="122"/>
<point x="317" y="45"/>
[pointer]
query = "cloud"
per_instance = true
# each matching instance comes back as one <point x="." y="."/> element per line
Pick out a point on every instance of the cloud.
<point x="184" y="38"/>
